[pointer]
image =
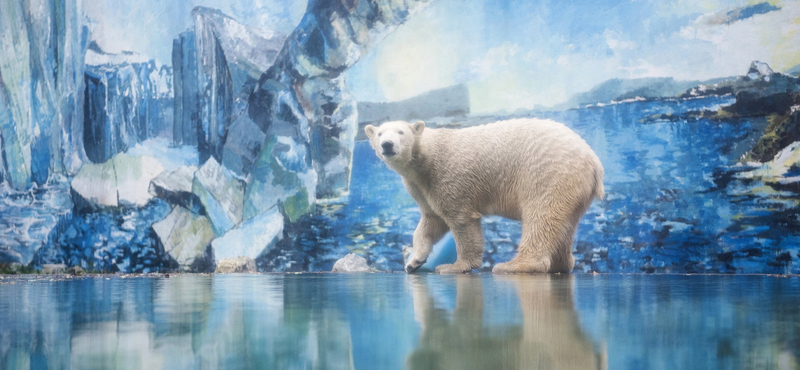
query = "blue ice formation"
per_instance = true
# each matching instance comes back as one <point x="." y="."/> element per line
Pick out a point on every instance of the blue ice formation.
<point x="216" y="65"/>
<point x="184" y="236"/>
<point x="108" y="241"/>
<point x="171" y="157"/>
<point x="184" y="66"/>
<point x="27" y="218"/>
<point x="128" y="100"/>
<point x="176" y="188"/>
<point x="243" y="145"/>
<point x="121" y="182"/>
<point x="252" y="238"/>
<point x="221" y="194"/>
<point x="282" y="175"/>
<point x="303" y="98"/>
<point x="443" y="252"/>
<point x="41" y="71"/>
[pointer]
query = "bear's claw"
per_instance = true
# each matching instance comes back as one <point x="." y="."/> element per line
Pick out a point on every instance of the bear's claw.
<point x="414" y="265"/>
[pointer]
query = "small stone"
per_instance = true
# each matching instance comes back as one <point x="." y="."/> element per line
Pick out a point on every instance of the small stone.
<point x="235" y="265"/>
<point x="54" y="269"/>
<point x="351" y="263"/>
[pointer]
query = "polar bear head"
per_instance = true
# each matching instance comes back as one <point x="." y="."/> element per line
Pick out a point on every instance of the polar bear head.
<point x="395" y="142"/>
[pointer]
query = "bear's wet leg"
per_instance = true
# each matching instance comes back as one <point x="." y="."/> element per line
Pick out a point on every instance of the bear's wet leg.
<point x="469" y="246"/>
<point x="540" y="239"/>
<point x="546" y="244"/>
<point x="431" y="229"/>
<point x="562" y="259"/>
<point x="522" y="264"/>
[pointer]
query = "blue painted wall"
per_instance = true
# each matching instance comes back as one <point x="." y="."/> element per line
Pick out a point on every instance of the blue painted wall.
<point x="700" y="152"/>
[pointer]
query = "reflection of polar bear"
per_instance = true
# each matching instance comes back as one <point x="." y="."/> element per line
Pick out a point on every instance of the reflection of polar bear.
<point x="549" y="336"/>
<point x="537" y="171"/>
<point x="458" y="338"/>
<point x="552" y="337"/>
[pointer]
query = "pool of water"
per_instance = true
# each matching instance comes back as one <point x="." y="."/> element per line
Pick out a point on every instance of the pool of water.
<point x="398" y="321"/>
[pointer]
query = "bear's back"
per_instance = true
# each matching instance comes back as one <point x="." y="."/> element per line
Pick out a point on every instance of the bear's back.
<point x="492" y="156"/>
<point x="522" y="141"/>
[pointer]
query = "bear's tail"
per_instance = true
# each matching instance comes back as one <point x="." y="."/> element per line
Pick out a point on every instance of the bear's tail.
<point x="599" y="190"/>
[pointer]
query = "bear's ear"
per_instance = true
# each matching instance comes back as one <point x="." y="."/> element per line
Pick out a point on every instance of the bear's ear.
<point x="370" y="130"/>
<point x="418" y="127"/>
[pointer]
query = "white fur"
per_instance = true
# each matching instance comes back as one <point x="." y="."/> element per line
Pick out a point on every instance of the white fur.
<point x="536" y="171"/>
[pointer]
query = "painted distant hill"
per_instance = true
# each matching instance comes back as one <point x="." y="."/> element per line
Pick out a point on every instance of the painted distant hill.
<point x="760" y="81"/>
<point x="445" y="102"/>
<point x="764" y="93"/>
<point x="759" y="93"/>
<point x="618" y="89"/>
<point x="794" y="71"/>
<point x="759" y="78"/>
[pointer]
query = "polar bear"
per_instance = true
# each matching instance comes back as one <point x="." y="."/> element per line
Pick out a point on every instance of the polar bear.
<point x="535" y="171"/>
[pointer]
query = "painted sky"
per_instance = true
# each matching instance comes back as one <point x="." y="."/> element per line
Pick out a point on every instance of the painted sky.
<point x="511" y="53"/>
<point x="149" y="26"/>
<point x="521" y="54"/>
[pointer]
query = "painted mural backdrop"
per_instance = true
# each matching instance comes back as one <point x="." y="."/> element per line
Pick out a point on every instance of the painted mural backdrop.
<point x="142" y="136"/>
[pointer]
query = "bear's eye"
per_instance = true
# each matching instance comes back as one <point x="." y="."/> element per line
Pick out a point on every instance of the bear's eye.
<point x="400" y="132"/>
<point x="380" y="133"/>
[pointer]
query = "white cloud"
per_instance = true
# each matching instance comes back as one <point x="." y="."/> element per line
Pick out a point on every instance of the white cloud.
<point x="770" y="37"/>
<point x="406" y="69"/>
<point x="494" y="61"/>
<point x="615" y="42"/>
<point x="643" y="68"/>
<point x="149" y="26"/>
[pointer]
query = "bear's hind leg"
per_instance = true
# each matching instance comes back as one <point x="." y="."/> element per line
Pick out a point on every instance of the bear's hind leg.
<point x="469" y="246"/>
<point x="527" y="261"/>
<point x="562" y="259"/>
<point x="546" y="246"/>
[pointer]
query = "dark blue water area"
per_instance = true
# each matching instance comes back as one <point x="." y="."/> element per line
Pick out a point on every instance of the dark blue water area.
<point x="109" y="241"/>
<point x="376" y="221"/>
<point x="674" y="203"/>
<point x="398" y="321"/>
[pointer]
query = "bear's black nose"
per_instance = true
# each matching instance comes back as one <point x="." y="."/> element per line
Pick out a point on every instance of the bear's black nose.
<point x="387" y="146"/>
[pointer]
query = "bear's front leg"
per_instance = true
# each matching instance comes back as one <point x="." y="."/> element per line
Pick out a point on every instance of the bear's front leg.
<point x="469" y="246"/>
<point x="431" y="229"/>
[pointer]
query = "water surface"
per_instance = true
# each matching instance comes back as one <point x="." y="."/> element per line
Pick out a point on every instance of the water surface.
<point x="398" y="321"/>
